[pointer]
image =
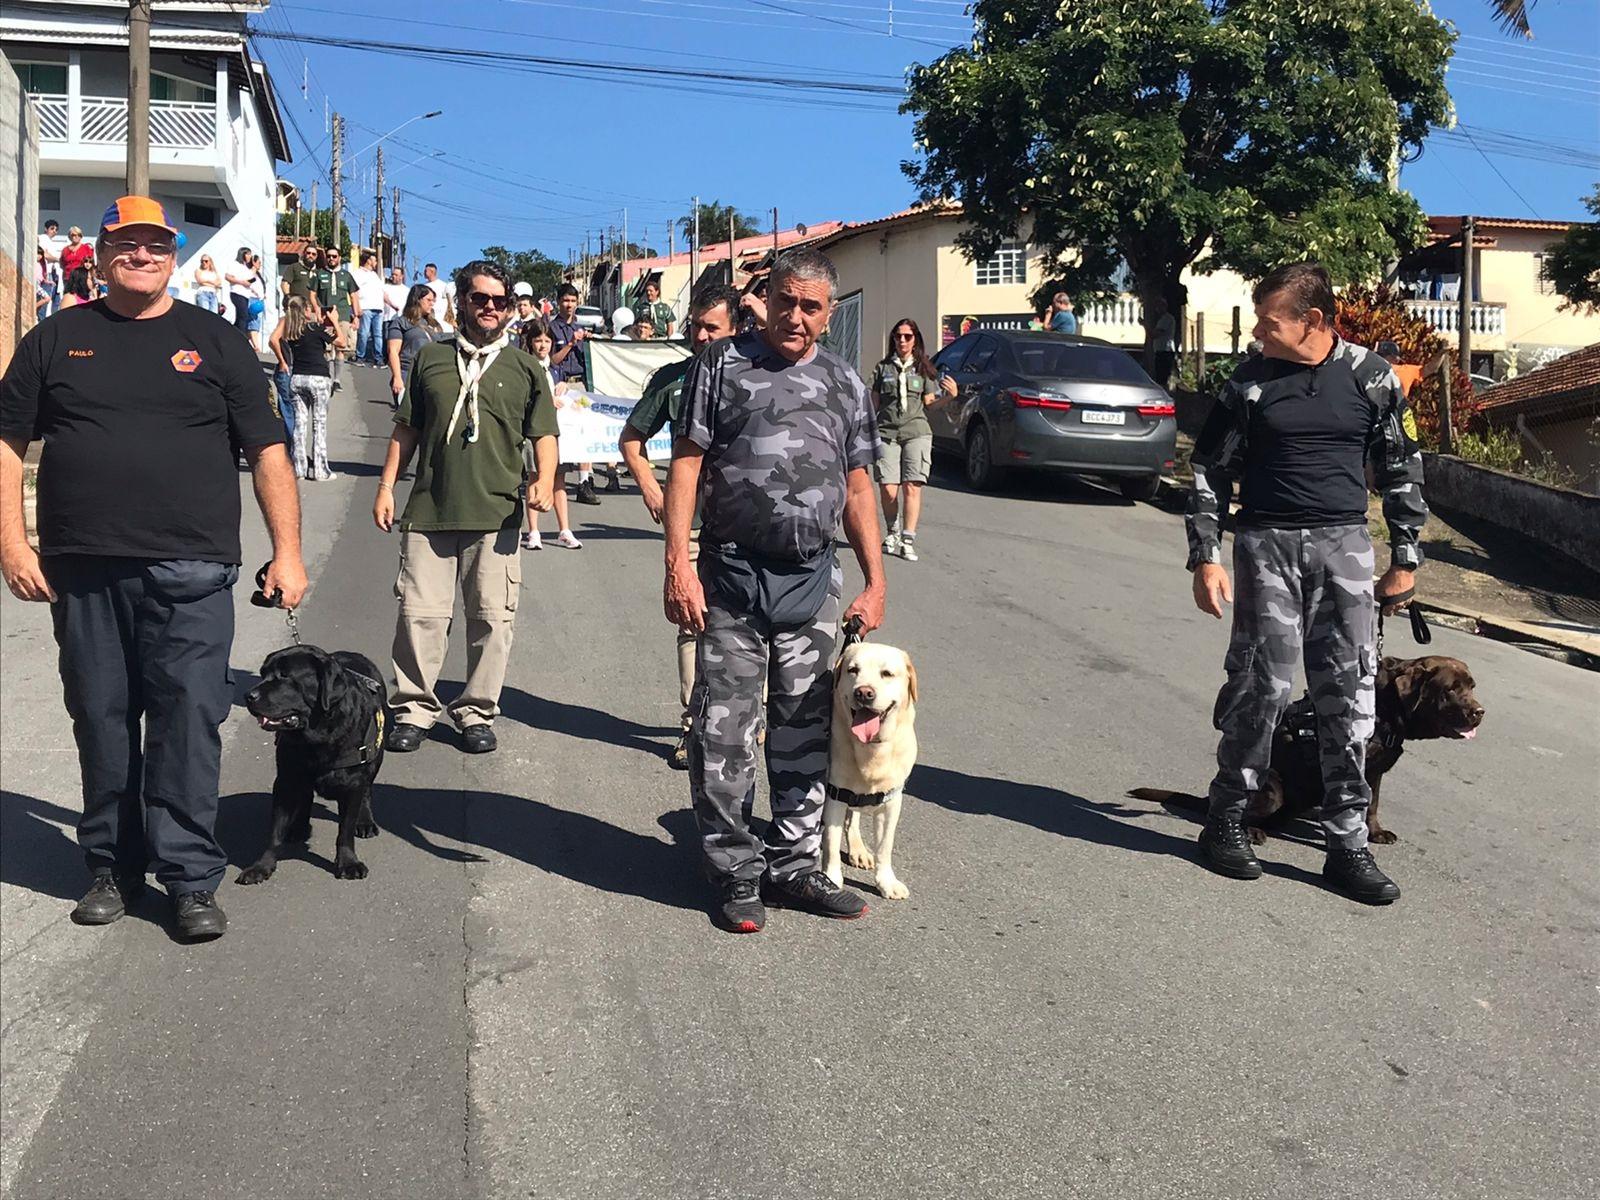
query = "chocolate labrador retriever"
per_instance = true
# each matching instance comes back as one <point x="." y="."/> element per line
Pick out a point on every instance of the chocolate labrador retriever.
<point x="327" y="711"/>
<point x="1417" y="699"/>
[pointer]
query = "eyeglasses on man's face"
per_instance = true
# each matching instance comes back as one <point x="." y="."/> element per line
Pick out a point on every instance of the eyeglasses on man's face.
<point x="126" y="249"/>
<point x="485" y="300"/>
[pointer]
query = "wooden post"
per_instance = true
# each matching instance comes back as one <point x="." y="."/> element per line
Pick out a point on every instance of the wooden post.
<point x="1235" y="332"/>
<point x="1199" y="349"/>
<point x="1468" y="228"/>
<point x="1446" y="432"/>
<point x="138" y="172"/>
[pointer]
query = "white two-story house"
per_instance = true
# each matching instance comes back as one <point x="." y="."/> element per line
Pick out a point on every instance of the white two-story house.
<point x="216" y="134"/>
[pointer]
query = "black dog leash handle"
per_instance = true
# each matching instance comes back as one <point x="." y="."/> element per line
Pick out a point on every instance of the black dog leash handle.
<point x="260" y="599"/>
<point x="1420" y="631"/>
<point x="853" y="632"/>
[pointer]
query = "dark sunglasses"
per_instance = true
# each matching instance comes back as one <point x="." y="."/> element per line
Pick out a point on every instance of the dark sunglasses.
<point x="484" y="300"/>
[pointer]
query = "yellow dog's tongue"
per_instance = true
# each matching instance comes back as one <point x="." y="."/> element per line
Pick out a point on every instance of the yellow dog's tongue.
<point x="864" y="725"/>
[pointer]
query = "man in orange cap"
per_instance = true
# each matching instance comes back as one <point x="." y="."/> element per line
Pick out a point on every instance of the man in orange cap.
<point x="140" y="401"/>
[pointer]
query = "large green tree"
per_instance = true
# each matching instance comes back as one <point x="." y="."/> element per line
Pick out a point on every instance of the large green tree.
<point x="1164" y="133"/>
<point x="323" y="233"/>
<point x="532" y="267"/>
<point x="714" y="218"/>
<point x="1573" y="263"/>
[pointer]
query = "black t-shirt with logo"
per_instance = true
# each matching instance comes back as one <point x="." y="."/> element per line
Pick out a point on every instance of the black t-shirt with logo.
<point x="141" y="422"/>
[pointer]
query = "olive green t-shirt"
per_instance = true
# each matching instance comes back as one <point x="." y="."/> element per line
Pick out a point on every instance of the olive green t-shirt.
<point x="901" y="418"/>
<point x="472" y="486"/>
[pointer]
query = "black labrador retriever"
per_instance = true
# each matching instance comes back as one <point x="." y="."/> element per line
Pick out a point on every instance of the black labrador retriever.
<point x="327" y="711"/>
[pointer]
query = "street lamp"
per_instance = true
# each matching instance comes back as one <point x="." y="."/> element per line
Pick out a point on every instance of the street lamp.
<point x="419" y="117"/>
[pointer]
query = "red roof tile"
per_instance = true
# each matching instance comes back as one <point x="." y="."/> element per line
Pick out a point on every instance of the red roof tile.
<point x="1571" y="384"/>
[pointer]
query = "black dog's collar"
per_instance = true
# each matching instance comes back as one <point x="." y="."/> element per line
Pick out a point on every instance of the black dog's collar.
<point x="365" y="753"/>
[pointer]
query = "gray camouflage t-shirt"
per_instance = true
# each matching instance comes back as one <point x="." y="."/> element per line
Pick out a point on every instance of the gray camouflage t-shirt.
<point x="779" y="440"/>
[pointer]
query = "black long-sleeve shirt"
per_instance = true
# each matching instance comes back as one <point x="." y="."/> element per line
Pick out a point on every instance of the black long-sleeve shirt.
<point x="1298" y="437"/>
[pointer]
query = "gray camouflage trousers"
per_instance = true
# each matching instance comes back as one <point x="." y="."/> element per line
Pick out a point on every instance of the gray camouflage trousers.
<point x="737" y="655"/>
<point x="1300" y="591"/>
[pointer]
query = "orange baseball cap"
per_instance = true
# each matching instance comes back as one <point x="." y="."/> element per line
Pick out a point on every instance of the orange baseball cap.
<point x="135" y="210"/>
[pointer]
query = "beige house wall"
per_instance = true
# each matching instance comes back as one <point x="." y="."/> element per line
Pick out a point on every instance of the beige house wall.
<point x="913" y="268"/>
<point x="1510" y="276"/>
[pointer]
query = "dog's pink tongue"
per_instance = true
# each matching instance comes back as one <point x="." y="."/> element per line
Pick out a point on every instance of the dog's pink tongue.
<point x="864" y="727"/>
<point x="1470" y="733"/>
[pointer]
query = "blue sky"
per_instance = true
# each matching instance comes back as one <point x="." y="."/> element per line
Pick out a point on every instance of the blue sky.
<point x="535" y="161"/>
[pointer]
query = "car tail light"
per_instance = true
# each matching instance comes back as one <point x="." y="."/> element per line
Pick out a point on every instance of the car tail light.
<point x="1157" y="410"/>
<point x="1034" y="400"/>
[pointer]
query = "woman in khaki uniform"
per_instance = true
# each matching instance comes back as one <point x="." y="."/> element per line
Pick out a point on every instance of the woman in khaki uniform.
<point x="905" y="385"/>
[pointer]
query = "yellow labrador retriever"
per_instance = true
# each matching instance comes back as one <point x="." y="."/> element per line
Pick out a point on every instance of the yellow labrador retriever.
<point x="872" y="748"/>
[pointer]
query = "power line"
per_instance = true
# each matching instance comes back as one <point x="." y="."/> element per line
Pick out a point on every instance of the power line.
<point x="1532" y="212"/>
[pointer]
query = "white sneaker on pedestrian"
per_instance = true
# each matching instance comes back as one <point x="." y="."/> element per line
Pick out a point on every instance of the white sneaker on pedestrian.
<point x="565" y="538"/>
<point x="891" y="544"/>
<point x="908" y="548"/>
<point x="532" y="541"/>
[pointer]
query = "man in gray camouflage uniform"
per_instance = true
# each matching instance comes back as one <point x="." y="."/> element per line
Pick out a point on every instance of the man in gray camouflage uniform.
<point x="1297" y="426"/>
<point x="775" y="436"/>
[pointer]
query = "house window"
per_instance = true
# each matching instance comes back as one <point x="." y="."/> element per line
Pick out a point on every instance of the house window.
<point x="50" y="199"/>
<point x="171" y="87"/>
<point x="42" y="79"/>
<point x="1547" y="285"/>
<point x="201" y="214"/>
<point x="1009" y="265"/>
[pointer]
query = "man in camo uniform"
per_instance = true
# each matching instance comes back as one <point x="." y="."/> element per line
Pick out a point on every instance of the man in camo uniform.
<point x="1298" y="426"/>
<point x="776" y="436"/>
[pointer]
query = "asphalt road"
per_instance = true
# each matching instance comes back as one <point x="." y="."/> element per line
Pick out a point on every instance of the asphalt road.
<point x="527" y="998"/>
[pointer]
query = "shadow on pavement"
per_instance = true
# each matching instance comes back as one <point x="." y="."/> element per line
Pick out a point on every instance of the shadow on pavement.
<point x="356" y="469"/>
<point x="589" y="724"/>
<point x="38" y="848"/>
<point x="573" y="845"/>
<point x="1045" y="485"/>
<point x="614" y="533"/>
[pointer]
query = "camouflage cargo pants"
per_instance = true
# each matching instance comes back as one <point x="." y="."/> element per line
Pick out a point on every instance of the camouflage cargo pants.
<point x="737" y="655"/>
<point x="1300" y="592"/>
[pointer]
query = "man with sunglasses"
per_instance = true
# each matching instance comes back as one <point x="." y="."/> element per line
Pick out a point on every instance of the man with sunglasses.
<point x="140" y="402"/>
<point x="471" y="403"/>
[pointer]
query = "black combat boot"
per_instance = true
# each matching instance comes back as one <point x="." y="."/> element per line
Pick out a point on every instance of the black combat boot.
<point x="1354" y="873"/>
<point x="1225" y="845"/>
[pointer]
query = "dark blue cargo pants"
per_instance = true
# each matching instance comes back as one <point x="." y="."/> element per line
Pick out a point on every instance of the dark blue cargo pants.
<point x="144" y="665"/>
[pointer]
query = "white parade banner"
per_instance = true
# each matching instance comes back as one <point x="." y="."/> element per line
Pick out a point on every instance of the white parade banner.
<point x="592" y="424"/>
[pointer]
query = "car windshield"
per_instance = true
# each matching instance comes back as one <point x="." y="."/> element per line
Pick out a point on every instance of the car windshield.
<point x="1042" y="359"/>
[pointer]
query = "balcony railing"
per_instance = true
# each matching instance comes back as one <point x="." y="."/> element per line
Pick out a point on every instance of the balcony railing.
<point x="1123" y="311"/>
<point x="53" y="120"/>
<point x="1445" y="316"/>
<point x="174" y="124"/>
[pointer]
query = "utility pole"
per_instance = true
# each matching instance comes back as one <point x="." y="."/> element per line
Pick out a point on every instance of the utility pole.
<point x="399" y="245"/>
<point x="1468" y="229"/>
<point x="731" y="283"/>
<point x="774" y="234"/>
<point x="314" y="184"/>
<point x="694" y="248"/>
<point x="138" y="97"/>
<point x="377" y="214"/>
<point x="338" y="181"/>
<point x="627" y="253"/>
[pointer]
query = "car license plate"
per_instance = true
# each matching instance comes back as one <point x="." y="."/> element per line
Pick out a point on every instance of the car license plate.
<point x="1103" y="416"/>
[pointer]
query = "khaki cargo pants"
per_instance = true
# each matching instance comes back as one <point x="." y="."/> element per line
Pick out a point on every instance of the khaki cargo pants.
<point x="487" y="568"/>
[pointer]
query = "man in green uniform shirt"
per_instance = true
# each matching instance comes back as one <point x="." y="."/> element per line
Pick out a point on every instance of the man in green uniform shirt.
<point x="662" y="318"/>
<point x="344" y="294"/>
<point x="713" y="314"/>
<point x="308" y="279"/>
<point x="469" y="405"/>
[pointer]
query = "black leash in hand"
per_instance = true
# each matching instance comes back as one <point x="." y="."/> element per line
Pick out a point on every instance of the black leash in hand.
<point x="852" y="633"/>
<point x="1419" y="625"/>
<point x="260" y="599"/>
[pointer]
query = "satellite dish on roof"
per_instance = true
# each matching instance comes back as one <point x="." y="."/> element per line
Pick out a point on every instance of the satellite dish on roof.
<point x="800" y="229"/>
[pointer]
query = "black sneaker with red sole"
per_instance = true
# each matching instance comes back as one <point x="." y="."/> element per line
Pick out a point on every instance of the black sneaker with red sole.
<point x="742" y="910"/>
<point x="814" y="893"/>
